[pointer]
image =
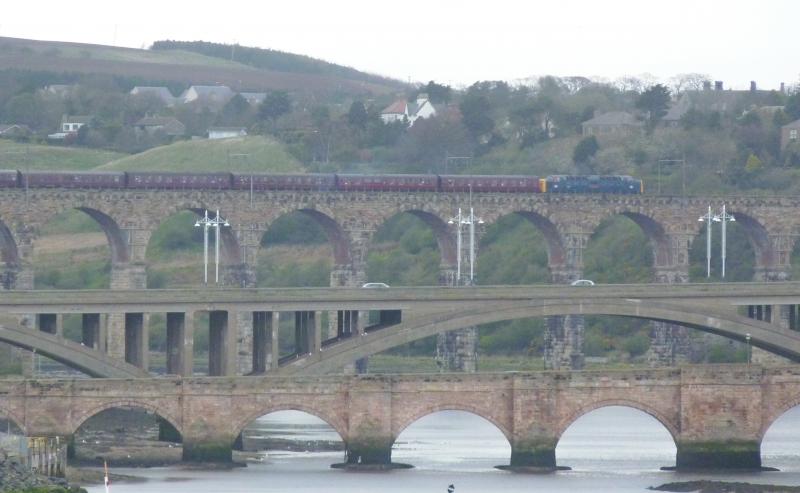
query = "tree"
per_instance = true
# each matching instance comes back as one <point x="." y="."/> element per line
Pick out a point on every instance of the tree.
<point x="475" y="114"/>
<point x="585" y="150"/>
<point x="753" y="164"/>
<point x="688" y="82"/>
<point x="437" y="93"/>
<point x="235" y="111"/>
<point x="792" y="108"/>
<point x="275" y="105"/>
<point x="655" y="101"/>
<point x="357" y="116"/>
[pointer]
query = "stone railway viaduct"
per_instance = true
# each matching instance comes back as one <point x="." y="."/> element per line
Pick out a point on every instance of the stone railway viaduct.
<point x="129" y="218"/>
<point x="717" y="415"/>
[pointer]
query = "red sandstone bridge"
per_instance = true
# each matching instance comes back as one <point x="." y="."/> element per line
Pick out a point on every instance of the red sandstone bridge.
<point x="717" y="415"/>
<point x="365" y="321"/>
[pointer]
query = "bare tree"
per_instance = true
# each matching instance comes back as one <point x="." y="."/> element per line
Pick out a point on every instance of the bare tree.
<point x="688" y="82"/>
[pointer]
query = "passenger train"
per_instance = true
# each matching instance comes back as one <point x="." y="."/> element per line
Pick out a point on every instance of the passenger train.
<point x="616" y="184"/>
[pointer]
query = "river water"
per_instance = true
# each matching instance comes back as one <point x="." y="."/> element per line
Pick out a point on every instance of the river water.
<point x="610" y="449"/>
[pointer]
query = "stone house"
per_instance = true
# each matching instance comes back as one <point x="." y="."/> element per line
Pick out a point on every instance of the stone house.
<point x="790" y="134"/>
<point x="612" y="124"/>
<point x="213" y="97"/>
<point x="14" y="130"/>
<point x="171" y="126"/>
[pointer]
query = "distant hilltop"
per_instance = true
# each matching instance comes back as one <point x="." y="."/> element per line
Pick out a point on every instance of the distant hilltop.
<point x="194" y="63"/>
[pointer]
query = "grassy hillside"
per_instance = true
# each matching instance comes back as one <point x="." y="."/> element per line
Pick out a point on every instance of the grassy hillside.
<point x="257" y="154"/>
<point x="14" y="155"/>
<point x="172" y="66"/>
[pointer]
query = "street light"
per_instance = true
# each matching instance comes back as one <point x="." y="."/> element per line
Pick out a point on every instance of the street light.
<point x="708" y="218"/>
<point x="206" y="223"/>
<point x="724" y="218"/>
<point x="470" y="221"/>
<point x="747" y="338"/>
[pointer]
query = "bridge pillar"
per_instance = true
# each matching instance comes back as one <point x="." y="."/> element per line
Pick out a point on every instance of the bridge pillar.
<point x="221" y="343"/>
<point x="670" y="344"/>
<point x="349" y="276"/>
<point x="127" y="275"/>
<point x="242" y="275"/>
<point x="533" y="454"/>
<point x="563" y="337"/>
<point x="136" y="340"/>
<point x="201" y="446"/>
<point x="456" y="350"/>
<point x="48" y="455"/>
<point x="778" y="314"/>
<point x="721" y="418"/>
<point x="266" y="341"/>
<point x="369" y="439"/>
<point x="180" y="343"/>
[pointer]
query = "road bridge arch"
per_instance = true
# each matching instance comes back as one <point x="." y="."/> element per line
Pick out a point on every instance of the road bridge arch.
<point x="87" y="360"/>
<point x="725" y="322"/>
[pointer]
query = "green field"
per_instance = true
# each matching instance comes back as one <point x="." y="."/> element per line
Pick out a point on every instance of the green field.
<point x="257" y="154"/>
<point x="14" y="155"/>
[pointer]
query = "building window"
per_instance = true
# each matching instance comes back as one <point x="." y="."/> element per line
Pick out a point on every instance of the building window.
<point x="792" y="134"/>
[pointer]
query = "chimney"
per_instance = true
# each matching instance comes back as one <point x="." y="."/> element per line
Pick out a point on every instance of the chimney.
<point x="752" y="86"/>
<point x="717" y="85"/>
<point x="783" y="88"/>
<point x="706" y="85"/>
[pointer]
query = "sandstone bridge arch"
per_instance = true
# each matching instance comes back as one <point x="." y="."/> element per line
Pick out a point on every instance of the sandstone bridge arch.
<point x="725" y="322"/>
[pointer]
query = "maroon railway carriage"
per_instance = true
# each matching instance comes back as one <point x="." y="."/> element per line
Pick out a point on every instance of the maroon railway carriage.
<point x="190" y="181"/>
<point x="86" y="179"/>
<point x="387" y="183"/>
<point x="9" y="178"/>
<point x="310" y="181"/>
<point x="485" y="183"/>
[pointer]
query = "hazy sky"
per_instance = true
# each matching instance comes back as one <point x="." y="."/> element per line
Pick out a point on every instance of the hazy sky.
<point x="458" y="42"/>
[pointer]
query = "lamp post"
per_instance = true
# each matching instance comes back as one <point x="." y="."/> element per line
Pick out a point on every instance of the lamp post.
<point x="206" y="223"/>
<point x="458" y="221"/>
<point x="747" y="338"/>
<point x="724" y="218"/>
<point x="708" y="218"/>
<point x="470" y="221"/>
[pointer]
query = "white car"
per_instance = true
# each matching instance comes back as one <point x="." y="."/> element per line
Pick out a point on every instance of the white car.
<point x="582" y="282"/>
<point x="375" y="285"/>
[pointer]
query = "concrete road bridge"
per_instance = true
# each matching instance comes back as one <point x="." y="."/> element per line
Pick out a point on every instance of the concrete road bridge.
<point x="362" y="322"/>
<point x="717" y="415"/>
<point x="350" y="219"/>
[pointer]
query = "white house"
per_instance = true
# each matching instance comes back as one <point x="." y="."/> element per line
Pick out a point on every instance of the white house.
<point x="226" y="132"/>
<point x="401" y="109"/>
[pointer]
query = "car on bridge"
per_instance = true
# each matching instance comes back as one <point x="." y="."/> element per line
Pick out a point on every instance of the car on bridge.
<point x="375" y="285"/>
<point x="582" y="282"/>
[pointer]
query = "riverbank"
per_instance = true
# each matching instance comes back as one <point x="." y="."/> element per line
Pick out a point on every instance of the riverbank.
<point x="705" y="486"/>
<point x="15" y="477"/>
